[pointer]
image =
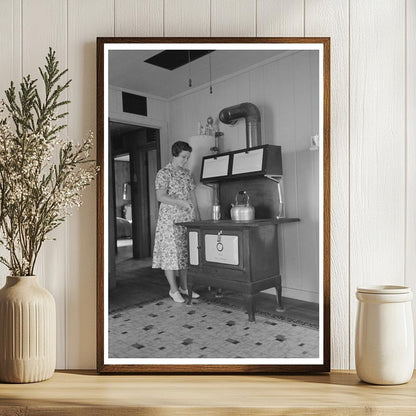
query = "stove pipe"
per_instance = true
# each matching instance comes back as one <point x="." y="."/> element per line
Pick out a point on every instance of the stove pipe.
<point x="251" y="113"/>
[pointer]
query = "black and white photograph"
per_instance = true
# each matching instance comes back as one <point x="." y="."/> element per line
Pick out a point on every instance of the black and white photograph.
<point x="212" y="205"/>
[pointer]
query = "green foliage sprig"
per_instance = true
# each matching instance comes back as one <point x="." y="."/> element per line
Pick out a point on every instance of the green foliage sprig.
<point x="41" y="175"/>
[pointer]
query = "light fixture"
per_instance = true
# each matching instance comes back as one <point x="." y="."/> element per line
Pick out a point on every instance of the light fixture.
<point x="210" y="75"/>
<point x="189" y="69"/>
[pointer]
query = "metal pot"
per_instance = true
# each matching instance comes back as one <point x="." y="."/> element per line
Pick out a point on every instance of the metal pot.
<point x="243" y="211"/>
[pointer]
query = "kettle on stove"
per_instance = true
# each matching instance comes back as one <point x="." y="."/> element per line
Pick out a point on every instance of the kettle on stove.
<point x="243" y="211"/>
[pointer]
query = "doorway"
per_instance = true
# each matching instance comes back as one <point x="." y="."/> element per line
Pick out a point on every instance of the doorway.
<point x="123" y="206"/>
<point x="135" y="160"/>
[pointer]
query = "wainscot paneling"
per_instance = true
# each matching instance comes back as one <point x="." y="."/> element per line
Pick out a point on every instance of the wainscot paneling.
<point x="186" y="18"/>
<point x="85" y="20"/>
<point x="10" y="66"/>
<point x="10" y="44"/>
<point x="377" y="147"/>
<point x="330" y="18"/>
<point x="283" y="90"/>
<point x="280" y="17"/>
<point x="306" y="93"/>
<point x="410" y="262"/>
<point x="373" y="126"/>
<point x="138" y="17"/>
<point x="233" y="17"/>
<point x="52" y="266"/>
<point x="288" y="122"/>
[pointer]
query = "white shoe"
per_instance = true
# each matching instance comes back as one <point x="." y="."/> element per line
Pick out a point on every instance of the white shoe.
<point x="177" y="297"/>
<point x="185" y="292"/>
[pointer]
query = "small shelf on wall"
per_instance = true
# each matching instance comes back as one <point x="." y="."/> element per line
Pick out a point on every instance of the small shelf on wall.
<point x="243" y="163"/>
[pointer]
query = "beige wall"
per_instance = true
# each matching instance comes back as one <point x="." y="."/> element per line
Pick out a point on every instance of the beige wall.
<point x="373" y="146"/>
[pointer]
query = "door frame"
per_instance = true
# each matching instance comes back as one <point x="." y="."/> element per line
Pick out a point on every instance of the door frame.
<point x="141" y="121"/>
<point x="140" y="199"/>
<point x="146" y="122"/>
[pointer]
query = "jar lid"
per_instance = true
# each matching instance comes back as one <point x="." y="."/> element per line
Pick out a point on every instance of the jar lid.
<point x="384" y="289"/>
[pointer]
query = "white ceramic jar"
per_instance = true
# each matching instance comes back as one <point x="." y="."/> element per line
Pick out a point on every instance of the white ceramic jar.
<point x="384" y="340"/>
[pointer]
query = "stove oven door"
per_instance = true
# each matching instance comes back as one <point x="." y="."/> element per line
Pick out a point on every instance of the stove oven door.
<point x="222" y="248"/>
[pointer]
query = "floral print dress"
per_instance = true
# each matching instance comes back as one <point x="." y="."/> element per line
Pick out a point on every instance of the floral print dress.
<point x="170" y="250"/>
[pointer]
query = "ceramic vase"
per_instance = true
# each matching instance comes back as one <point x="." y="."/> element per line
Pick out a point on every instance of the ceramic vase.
<point x="27" y="331"/>
<point x="384" y="341"/>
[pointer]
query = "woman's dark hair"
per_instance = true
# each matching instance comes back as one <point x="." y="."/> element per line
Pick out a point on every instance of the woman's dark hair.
<point x="179" y="147"/>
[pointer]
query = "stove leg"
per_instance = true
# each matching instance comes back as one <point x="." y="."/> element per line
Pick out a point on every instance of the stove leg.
<point x="278" y="285"/>
<point x="190" y="284"/>
<point x="251" y="307"/>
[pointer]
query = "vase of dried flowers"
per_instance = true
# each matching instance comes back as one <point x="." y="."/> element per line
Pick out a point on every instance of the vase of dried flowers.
<point x="42" y="177"/>
<point x="28" y="331"/>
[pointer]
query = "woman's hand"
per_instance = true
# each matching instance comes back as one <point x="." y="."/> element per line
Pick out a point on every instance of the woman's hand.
<point x="186" y="205"/>
<point x="162" y="196"/>
<point x="195" y="205"/>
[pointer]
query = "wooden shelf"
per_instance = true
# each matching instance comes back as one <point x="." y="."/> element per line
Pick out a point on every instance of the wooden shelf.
<point x="85" y="393"/>
<point x="237" y="224"/>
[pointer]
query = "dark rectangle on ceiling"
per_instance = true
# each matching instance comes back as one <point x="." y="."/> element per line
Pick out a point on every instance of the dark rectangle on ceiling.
<point x="172" y="59"/>
<point x="134" y="104"/>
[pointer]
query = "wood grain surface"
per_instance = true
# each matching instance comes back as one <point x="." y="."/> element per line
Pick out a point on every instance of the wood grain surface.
<point x="280" y="18"/>
<point x="372" y="43"/>
<point x="187" y="18"/>
<point x="233" y="18"/>
<point x="339" y="393"/>
<point x="410" y="258"/>
<point x="84" y="19"/>
<point x="52" y="260"/>
<point x="330" y="18"/>
<point x="138" y="17"/>
<point x="377" y="143"/>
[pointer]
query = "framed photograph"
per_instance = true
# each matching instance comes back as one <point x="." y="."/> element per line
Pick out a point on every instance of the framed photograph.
<point x="213" y="212"/>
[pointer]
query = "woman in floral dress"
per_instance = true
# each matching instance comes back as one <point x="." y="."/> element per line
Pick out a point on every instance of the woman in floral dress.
<point x="175" y="192"/>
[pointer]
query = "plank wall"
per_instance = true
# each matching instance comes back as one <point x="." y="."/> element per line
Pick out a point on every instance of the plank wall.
<point x="373" y="131"/>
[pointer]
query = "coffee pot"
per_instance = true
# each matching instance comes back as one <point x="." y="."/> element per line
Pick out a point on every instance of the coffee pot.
<point x="242" y="211"/>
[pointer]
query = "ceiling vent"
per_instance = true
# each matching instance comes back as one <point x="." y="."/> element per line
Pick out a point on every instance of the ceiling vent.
<point x="134" y="104"/>
<point x="173" y="59"/>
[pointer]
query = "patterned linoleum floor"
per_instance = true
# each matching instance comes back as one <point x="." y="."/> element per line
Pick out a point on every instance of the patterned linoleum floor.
<point x="164" y="329"/>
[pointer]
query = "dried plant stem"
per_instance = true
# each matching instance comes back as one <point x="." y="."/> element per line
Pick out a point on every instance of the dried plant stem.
<point x="36" y="194"/>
